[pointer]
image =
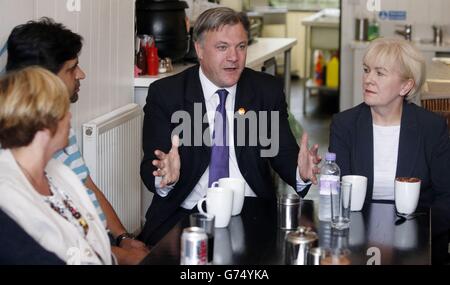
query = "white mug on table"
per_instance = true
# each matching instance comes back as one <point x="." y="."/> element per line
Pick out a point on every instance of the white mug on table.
<point x="407" y="191"/>
<point x="219" y="202"/>
<point x="238" y="187"/>
<point x="359" y="189"/>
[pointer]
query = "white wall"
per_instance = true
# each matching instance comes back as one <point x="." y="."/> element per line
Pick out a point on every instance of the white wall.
<point x="420" y="14"/>
<point x="107" y="27"/>
<point x="346" y="59"/>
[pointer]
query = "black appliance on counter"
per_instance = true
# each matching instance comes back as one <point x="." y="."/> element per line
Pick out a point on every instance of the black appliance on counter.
<point x="165" y="20"/>
<point x="191" y="55"/>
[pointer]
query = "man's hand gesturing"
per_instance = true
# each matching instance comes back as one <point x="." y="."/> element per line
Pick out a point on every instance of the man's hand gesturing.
<point x="168" y="164"/>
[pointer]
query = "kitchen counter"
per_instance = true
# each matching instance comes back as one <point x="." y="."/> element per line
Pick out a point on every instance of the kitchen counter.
<point x="438" y="69"/>
<point x="257" y="53"/>
<point x="324" y="18"/>
<point x="266" y="48"/>
<point x="444" y="60"/>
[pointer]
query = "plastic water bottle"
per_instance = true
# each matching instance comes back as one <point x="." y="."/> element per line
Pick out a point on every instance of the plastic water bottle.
<point x="333" y="72"/>
<point x="330" y="175"/>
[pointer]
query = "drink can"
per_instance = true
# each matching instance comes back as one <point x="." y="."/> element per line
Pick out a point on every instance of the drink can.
<point x="194" y="246"/>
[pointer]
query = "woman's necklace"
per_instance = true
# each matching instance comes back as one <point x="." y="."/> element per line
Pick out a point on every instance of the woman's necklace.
<point x="32" y="180"/>
<point x="65" y="200"/>
<point x="68" y="204"/>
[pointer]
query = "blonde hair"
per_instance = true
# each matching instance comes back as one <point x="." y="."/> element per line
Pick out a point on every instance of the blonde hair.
<point x="31" y="99"/>
<point x="402" y="56"/>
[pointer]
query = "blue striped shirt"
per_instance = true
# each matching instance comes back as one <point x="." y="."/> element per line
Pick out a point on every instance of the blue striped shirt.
<point x="71" y="157"/>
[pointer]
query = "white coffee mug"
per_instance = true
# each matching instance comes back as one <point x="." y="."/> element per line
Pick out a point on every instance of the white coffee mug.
<point x="219" y="202"/>
<point x="407" y="191"/>
<point x="238" y="187"/>
<point x="359" y="189"/>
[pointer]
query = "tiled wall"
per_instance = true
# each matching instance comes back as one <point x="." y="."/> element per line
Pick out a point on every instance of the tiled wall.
<point x="107" y="27"/>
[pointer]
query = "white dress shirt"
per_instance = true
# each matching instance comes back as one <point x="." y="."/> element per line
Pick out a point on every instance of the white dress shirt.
<point x="385" y="150"/>
<point x="211" y="102"/>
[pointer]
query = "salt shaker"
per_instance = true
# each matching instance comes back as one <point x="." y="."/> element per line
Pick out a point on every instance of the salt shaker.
<point x="169" y="67"/>
<point x="162" y="66"/>
<point x="288" y="211"/>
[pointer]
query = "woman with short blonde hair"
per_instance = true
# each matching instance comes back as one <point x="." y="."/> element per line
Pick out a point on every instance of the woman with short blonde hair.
<point x="40" y="193"/>
<point x="387" y="136"/>
<point x="30" y="100"/>
<point x="402" y="56"/>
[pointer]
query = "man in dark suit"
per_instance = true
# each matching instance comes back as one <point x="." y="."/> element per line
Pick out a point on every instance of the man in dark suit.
<point x="180" y="176"/>
<point x="17" y="247"/>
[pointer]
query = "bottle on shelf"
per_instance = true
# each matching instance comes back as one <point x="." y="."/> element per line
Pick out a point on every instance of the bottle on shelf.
<point x="330" y="174"/>
<point x="141" y="56"/>
<point x="373" y="30"/>
<point x="318" y="69"/>
<point x="332" y="71"/>
<point x="152" y="59"/>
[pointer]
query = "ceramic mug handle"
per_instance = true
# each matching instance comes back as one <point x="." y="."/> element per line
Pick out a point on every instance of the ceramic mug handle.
<point x="200" y="208"/>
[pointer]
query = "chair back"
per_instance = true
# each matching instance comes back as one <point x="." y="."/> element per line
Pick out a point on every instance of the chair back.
<point x="436" y="98"/>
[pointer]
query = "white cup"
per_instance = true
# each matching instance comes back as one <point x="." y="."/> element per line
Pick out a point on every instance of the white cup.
<point x="407" y="191"/>
<point x="219" y="202"/>
<point x="238" y="187"/>
<point x="359" y="189"/>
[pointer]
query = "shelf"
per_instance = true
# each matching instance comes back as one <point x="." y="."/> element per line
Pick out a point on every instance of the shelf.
<point x="311" y="85"/>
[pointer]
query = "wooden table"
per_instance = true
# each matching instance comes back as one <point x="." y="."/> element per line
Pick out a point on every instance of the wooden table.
<point x="253" y="237"/>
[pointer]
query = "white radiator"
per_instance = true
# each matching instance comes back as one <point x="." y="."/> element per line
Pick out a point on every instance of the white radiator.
<point x="112" y="151"/>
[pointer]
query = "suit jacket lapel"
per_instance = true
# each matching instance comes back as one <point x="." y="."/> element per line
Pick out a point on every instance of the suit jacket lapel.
<point x="194" y="95"/>
<point x="409" y="142"/>
<point x="363" y="148"/>
<point x="244" y="98"/>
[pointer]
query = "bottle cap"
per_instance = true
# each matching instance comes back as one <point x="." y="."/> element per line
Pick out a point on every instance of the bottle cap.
<point x="330" y="156"/>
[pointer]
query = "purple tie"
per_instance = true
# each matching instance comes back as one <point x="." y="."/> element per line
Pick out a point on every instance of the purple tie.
<point x="218" y="167"/>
